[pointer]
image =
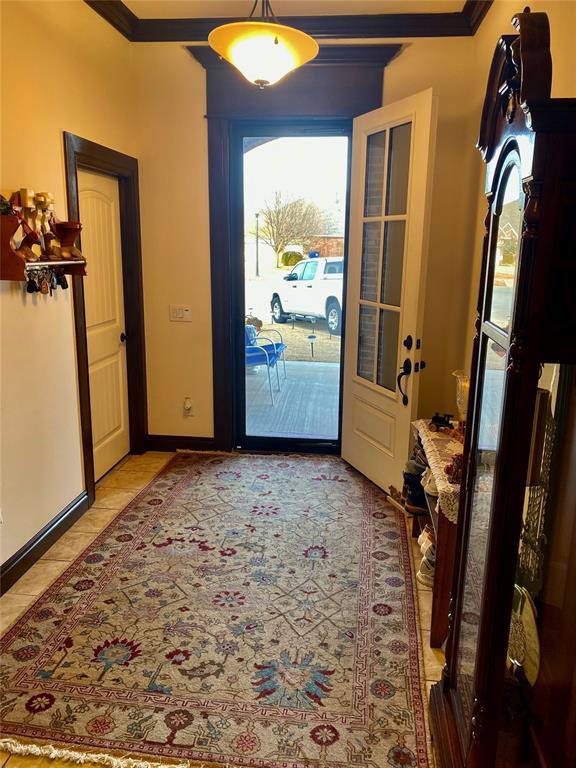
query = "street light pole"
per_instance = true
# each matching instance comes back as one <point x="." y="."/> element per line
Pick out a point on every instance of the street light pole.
<point x="257" y="260"/>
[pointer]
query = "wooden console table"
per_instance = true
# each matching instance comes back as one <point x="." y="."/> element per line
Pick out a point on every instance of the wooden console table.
<point x="439" y="449"/>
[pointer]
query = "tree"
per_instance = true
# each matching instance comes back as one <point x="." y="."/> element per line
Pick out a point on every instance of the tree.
<point x="290" y="222"/>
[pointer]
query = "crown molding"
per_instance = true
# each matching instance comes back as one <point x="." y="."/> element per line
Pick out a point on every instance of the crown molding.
<point x="474" y="12"/>
<point x="464" y="24"/>
<point x="117" y="15"/>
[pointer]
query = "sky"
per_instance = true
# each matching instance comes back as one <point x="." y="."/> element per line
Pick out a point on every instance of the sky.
<point x="298" y="166"/>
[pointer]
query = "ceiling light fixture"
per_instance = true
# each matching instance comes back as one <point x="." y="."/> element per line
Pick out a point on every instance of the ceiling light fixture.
<point x="263" y="51"/>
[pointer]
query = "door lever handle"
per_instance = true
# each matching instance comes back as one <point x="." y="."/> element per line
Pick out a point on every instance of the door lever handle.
<point x="406" y="370"/>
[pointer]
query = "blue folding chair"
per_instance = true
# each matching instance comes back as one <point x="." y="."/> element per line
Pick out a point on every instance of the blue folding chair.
<point x="268" y="354"/>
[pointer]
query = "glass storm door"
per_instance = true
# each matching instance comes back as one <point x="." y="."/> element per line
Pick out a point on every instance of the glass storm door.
<point x="392" y="158"/>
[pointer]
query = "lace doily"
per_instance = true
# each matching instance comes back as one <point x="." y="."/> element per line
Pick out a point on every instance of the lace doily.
<point x="439" y="449"/>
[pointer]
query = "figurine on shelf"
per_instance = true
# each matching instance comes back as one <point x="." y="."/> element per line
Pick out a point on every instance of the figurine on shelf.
<point x="5" y="207"/>
<point x="437" y="422"/>
<point x="30" y="238"/>
<point x="67" y="232"/>
<point x="50" y="251"/>
<point x="34" y="242"/>
<point x="454" y="469"/>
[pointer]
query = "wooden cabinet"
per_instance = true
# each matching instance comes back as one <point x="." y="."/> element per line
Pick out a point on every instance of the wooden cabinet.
<point x="503" y="654"/>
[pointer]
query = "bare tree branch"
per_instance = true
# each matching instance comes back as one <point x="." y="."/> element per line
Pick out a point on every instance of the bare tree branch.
<point x="291" y="222"/>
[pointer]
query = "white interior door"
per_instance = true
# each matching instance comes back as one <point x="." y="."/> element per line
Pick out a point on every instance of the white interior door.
<point x="104" y="298"/>
<point x="392" y="159"/>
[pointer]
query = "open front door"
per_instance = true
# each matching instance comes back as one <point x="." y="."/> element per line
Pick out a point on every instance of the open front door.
<point x="392" y="160"/>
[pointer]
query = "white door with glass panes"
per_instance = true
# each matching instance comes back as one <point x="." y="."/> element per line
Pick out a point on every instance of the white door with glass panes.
<point x="105" y="329"/>
<point x="392" y="160"/>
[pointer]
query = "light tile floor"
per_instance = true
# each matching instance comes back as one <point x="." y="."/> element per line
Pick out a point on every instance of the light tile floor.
<point x="113" y="492"/>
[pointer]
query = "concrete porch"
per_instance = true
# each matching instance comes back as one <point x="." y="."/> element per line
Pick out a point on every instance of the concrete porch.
<point x="305" y="407"/>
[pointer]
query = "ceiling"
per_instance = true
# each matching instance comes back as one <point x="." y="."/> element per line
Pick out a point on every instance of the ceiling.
<point x="145" y="21"/>
<point x="188" y="9"/>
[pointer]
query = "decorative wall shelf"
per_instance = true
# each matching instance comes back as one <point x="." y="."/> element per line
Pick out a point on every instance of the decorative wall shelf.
<point x="35" y="247"/>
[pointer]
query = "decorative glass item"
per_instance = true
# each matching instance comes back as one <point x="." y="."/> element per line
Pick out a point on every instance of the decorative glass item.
<point x="462" y="390"/>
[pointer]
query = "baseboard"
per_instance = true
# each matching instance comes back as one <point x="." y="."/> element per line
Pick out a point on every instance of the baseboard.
<point x="26" y="556"/>
<point x="252" y="445"/>
<point x="173" y="442"/>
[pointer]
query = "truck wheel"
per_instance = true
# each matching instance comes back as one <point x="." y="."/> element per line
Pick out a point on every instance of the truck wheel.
<point x="277" y="311"/>
<point x="334" y="318"/>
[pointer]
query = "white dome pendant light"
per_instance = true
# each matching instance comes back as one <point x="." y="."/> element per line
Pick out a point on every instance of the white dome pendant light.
<point x="263" y="51"/>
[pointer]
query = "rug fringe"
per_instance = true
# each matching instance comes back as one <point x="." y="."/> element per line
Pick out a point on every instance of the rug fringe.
<point x="14" y="747"/>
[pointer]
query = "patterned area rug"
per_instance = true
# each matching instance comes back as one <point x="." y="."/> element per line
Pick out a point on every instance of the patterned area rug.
<point x="242" y="610"/>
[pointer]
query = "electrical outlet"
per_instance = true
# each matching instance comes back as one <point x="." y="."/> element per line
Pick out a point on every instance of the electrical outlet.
<point x="180" y="313"/>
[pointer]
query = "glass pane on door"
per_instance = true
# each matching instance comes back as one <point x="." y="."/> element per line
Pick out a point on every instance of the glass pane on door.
<point x="366" y="342"/>
<point x="389" y="326"/>
<point x="370" y="259"/>
<point x="294" y="203"/>
<point x="392" y="263"/>
<point x="398" y="169"/>
<point x="383" y="244"/>
<point x="374" y="187"/>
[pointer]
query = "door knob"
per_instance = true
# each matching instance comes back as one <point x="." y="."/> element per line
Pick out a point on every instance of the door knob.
<point x="123" y="337"/>
<point x="406" y="370"/>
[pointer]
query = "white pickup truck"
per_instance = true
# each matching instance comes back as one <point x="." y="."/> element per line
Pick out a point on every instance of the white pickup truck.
<point x="312" y="289"/>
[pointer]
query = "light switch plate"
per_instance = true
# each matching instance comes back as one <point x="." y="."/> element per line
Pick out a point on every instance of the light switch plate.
<point x="180" y="313"/>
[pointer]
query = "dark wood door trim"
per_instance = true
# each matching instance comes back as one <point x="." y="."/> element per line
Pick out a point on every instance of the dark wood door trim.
<point x="384" y="25"/>
<point x="81" y="153"/>
<point x="220" y="276"/>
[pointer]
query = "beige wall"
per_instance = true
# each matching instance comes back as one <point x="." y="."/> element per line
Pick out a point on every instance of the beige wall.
<point x="173" y="158"/>
<point x="447" y="66"/>
<point x="63" y="68"/>
<point x="562" y="17"/>
<point x="147" y="101"/>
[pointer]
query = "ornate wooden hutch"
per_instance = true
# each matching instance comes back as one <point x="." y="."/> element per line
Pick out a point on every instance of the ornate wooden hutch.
<point x="508" y="692"/>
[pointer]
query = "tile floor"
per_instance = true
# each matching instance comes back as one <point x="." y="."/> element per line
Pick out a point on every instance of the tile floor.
<point x="113" y="492"/>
